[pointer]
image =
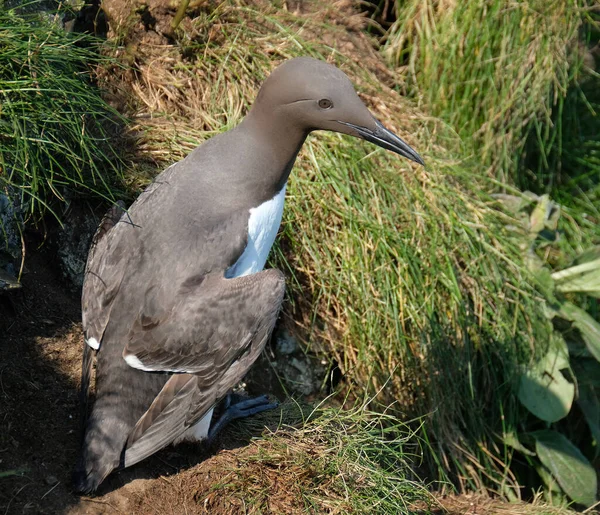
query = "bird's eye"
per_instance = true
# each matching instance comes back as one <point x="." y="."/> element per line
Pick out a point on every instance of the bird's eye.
<point x="325" y="103"/>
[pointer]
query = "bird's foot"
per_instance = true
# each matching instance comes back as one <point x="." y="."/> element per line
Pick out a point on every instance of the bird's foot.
<point x="236" y="409"/>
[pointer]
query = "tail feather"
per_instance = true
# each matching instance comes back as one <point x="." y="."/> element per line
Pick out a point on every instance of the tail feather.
<point x="101" y="451"/>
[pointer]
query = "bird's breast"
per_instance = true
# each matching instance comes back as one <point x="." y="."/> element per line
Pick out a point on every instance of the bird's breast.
<point x="263" y="224"/>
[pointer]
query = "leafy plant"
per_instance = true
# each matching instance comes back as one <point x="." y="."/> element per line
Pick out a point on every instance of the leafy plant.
<point x="550" y="386"/>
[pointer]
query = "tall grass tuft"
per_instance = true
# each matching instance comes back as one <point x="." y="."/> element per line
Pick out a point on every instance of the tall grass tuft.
<point x="495" y="70"/>
<point x="56" y="131"/>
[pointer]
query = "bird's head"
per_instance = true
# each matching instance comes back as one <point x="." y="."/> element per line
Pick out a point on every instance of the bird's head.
<point x="314" y="95"/>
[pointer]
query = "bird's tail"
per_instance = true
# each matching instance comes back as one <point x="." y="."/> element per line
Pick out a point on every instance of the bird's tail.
<point x="101" y="451"/>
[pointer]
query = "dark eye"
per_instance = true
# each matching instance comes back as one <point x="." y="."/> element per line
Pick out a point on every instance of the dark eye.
<point x="325" y="103"/>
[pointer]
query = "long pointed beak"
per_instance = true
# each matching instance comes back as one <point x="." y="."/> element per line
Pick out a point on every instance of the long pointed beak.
<point x="386" y="139"/>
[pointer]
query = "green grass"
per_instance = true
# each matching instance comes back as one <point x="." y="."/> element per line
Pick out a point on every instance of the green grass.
<point x="57" y="134"/>
<point x="497" y="71"/>
<point x="334" y="461"/>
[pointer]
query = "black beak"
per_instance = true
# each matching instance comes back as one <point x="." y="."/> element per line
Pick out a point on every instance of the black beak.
<point x="386" y="139"/>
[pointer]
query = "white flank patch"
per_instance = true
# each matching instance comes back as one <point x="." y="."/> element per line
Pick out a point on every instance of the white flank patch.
<point x="263" y="225"/>
<point x="93" y="343"/>
<point x="199" y="431"/>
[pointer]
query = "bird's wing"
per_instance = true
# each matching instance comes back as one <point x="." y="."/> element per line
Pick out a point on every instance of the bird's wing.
<point x="209" y="338"/>
<point x="108" y="221"/>
<point x="102" y="278"/>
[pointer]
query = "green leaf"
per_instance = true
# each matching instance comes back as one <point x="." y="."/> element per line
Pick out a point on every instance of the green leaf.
<point x="590" y="406"/>
<point x="588" y="327"/>
<point x="543" y="389"/>
<point x="557" y="358"/>
<point x="569" y="467"/>
<point x="584" y="278"/>
<point x="544" y="280"/>
<point x="512" y="440"/>
<point x="548" y="479"/>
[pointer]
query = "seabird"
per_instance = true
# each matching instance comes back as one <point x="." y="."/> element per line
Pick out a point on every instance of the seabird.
<point x="176" y="304"/>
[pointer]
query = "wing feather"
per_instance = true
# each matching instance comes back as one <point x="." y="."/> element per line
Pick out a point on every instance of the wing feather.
<point x="211" y="337"/>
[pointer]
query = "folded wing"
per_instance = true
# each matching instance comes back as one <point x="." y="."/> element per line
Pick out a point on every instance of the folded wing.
<point x="208" y="339"/>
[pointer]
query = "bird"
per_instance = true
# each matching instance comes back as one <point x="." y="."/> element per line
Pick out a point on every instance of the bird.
<point x="176" y="303"/>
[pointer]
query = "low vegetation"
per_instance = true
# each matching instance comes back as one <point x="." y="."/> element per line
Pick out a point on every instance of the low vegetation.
<point x="55" y="128"/>
<point x="500" y="72"/>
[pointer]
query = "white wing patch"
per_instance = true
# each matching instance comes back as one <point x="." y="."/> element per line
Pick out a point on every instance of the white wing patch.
<point x="133" y="361"/>
<point x="93" y="343"/>
<point x="263" y="225"/>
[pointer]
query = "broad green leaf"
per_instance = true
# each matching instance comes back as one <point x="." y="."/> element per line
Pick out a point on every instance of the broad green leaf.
<point x="543" y="389"/>
<point x="557" y="358"/>
<point x="512" y="440"/>
<point x="590" y="406"/>
<point x="584" y="278"/>
<point x="544" y="280"/>
<point x="549" y="481"/>
<point x="569" y="467"/>
<point x="588" y="327"/>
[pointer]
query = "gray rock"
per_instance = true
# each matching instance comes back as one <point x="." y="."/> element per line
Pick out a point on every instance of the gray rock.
<point x="11" y="228"/>
<point x="73" y="243"/>
<point x="301" y="372"/>
<point x="285" y="344"/>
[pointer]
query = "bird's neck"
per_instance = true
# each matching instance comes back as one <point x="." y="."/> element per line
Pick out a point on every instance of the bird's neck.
<point x="277" y="141"/>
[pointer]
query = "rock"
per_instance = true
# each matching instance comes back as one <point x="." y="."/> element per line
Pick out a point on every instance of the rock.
<point x="285" y="343"/>
<point x="8" y="281"/>
<point x="301" y="372"/>
<point x="74" y="241"/>
<point x="11" y="228"/>
<point x="51" y="480"/>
